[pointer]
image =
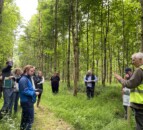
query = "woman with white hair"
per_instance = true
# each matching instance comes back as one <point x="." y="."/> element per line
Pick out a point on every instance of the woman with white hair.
<point x="90" y="79"/>
<point x="135" y="83"/>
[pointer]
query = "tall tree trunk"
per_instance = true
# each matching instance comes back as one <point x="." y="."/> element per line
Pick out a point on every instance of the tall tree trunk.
<point x="105" y="46"/>
<point x="93" y="50"/>
<point x="124" y="40"/>
<point x="110" y="64"/>
<point x="56" y="36"/>
<point x="40" y="44"/>
<point x="141" y="2"/>
<point x="75" y="43"/>
<point x="101" y="40"/>
<point x="1" y="8"/>
<point x="69" y="42"/>
<point x="87" y="41"/>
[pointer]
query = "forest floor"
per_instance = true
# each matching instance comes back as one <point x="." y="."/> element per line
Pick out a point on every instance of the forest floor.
<point x="46" y="120"/>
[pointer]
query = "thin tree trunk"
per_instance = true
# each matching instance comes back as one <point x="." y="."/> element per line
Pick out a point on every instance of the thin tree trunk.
<point x="1" y="8"/>
<point x="69" y="50"/>
<point x="56" y="36"/>
<point x="93" y="50"/>
<point x="105" y="46"/>
<point x="87" y="42"/>
<point x="124" y="42"/>
<point x="102" y="41"/>
<point x="75" y="43"/>
<point x="141" y="2"/>
<point x="110" y="64"/>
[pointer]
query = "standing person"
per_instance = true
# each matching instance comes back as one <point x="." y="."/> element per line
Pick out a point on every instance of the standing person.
<point x="39" y="86"/>
<point x="55" y="79"/>
<point x="126" y="92"/>
<point x="17" y="75"/>
<point x="8" y="84"/>
<point x="90" y="79"/>
<point x="136" y="88"/>
<point x="27" y="98"/>
<point x="34" y="79"/>
<point x="15" y="96"/>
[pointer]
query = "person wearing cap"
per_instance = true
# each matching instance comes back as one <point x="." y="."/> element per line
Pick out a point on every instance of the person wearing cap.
<point x="135" y="84"/>
<point x="90" y="79"/>
<point x="126" y="91"/>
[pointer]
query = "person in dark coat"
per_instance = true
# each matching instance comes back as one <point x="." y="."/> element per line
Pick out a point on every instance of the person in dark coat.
<point x="39" y="86"/>
<point x="55" y="79"/>
<point x="8" y="84"/>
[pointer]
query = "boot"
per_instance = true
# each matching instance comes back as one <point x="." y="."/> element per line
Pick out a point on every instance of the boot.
<point x="38" y="101"/>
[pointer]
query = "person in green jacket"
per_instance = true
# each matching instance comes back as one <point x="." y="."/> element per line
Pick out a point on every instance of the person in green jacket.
<point x="135" y="84"/>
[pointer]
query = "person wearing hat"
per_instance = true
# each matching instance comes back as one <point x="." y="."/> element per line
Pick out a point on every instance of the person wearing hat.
<point x="90" y="79"/>
<point x="126" y="92"/>
<point x="135" y="84"/>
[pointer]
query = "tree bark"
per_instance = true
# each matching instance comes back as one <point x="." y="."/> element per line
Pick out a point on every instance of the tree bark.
<point x="1" y="8"/>
<point x="69" y="48"/>
<point x="56" y="36"/>
<point x="141" y="2"/>
<point x="105" y="46"/>
<point x="75" y="43"/>
<point x="87" y="41"/>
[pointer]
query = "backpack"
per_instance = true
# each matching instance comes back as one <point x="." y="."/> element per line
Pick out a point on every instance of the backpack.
<point x="7" y="83"/>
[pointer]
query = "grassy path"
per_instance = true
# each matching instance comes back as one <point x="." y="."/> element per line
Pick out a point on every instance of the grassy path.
<point x="45" y="120"/>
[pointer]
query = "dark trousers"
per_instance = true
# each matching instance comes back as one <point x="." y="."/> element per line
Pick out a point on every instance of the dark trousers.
<point x="55" y="87"/>
<point x="16" y="99"/>
<point x="0" y="92"/>
<point x="27" y="117"/>
<point x="90" y="92"/>
<point x="126" y="111"/>
<point x="139" y="118"/>
<point x="8" y="96"/>
<point x="39" y="98"/>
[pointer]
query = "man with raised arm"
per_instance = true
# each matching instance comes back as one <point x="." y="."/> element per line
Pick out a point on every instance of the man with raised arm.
<point x="135" y="83"/>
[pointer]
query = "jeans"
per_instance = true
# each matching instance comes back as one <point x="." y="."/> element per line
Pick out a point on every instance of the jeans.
<point x="16" y="101"/>
<point x="8" y="96"/>
<point x="27" y="117"/>
<point x="139" y="118"/>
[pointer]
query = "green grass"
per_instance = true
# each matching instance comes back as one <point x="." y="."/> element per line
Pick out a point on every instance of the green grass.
<point x="103" y="112"/>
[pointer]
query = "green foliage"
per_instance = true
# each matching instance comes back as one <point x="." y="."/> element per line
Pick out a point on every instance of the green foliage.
<point x="10" y="21"/>
<point x="123" y="38"/>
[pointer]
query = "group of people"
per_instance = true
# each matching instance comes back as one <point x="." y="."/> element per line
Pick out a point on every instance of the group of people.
<point x="132" y="88"/>
<point x="25" y="85"/>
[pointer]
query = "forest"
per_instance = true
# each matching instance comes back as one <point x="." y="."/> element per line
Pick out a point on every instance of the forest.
<point x="70" y="37"/>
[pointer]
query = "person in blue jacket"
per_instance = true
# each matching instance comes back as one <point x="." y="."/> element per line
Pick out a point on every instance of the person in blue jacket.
<point x="27" y="98"/>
